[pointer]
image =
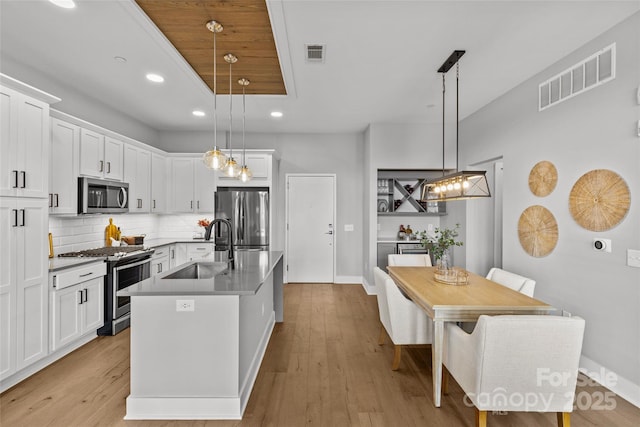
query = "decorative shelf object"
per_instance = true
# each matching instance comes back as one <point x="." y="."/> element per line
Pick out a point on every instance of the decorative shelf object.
<point x="599" y="200"/>
<point x="543" y="178"/>
<point x="537" y="231"/>
<point x="400" y="189"/>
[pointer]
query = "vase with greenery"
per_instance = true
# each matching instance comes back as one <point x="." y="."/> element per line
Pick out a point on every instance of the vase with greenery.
<point x="440" y="244"/>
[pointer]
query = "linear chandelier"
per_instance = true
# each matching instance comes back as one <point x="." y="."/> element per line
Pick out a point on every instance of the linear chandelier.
<point x="460" y="185"/>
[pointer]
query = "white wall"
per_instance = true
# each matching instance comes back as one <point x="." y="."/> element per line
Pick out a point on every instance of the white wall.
<point x="81" y="105"/>
<point x="594" y="130"/>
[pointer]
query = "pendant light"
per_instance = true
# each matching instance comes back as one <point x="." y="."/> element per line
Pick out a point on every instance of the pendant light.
<point x="459" y="185"/>
<point x="245" y="172"/>
<point x="231" y="168"/>
<point x="214" y="158"/>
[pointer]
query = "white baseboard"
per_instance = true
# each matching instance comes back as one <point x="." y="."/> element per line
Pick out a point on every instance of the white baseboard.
<point x="370" y="290"/>
<point x="348" y="279"/>
<point x="609" y="379"/>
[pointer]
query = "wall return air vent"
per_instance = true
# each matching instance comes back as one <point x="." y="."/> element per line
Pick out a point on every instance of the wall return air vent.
<point x="593" y="71"/>
<point x="314" y="52"/>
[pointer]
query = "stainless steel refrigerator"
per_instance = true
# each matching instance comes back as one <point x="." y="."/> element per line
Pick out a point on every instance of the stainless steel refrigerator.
<point x="248" y="211"/>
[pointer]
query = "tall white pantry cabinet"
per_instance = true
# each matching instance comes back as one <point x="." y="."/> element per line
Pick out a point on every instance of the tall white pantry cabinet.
<point x="24" y="181"/>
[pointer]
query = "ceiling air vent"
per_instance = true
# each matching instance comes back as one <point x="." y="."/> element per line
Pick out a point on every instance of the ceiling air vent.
<point x="315" y="52"/>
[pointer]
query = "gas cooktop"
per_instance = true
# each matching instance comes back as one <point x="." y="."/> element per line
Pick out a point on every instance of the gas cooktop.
<point x="111" y="252"/>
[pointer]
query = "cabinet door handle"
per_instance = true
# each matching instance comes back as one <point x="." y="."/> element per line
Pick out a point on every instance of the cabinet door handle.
<point x="101" y="166"/>
<point x="57" y="205"/>
<point x="86" y="294"/>
<point x="23" y="174"/>
<point x="23" y="216"/>
<point x="173" y="254"/>
<point x="50" y="200"/>
<point x="15" y="217"/>
<point x="198" y="204"/>
<point x="192" y="204"/>
<point x="108" y="167"/>
<point x="86" y="274"/>
<point x="154" y="203"/>
<point x="15" y="179"/>
<point x="159" y="268"/>
<point x="81" y="296"/>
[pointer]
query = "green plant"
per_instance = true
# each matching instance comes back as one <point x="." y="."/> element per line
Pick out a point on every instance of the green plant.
<point x="442" y="239"/>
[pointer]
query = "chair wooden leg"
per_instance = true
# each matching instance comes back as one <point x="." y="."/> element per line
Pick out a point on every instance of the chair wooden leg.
<point x="564" y="419"/>
<point x="481" y="418"/>
<point x="445" y="381"/>
<point x="383" y="333"/>
<point x="396" y="358"/>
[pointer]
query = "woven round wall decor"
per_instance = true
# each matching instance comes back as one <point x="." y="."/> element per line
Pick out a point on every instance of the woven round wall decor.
<point x="599" y="200"/>
<point x="543" y="178"/>
<point x="537" y="231"/>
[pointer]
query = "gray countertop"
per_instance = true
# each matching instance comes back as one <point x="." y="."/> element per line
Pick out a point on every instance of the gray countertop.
<point x="56" y="263"/>
<point x="252" y="268"/>
<point x="60" y="263"/>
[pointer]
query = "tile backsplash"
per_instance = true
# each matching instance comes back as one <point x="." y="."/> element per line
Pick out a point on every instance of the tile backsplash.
<point x="85" y="232"/>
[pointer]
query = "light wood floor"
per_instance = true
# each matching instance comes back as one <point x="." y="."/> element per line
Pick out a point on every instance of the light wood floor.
<point x="323" y="367"/>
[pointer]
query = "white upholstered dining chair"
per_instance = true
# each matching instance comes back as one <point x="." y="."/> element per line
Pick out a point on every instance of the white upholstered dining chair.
<point x="409" y="260"/>
<point x="516" y="363"/>
<point x="513" y="281"/>
<point x="403" y="321"/>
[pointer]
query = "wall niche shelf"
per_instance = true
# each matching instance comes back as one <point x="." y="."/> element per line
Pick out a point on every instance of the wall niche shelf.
<point x="399" y="191"/>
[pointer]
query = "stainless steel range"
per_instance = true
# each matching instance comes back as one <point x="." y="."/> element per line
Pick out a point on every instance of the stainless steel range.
<point x="126" y="265"/>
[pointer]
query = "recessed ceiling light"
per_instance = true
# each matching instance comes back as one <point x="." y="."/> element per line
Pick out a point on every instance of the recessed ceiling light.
<point x="120" y="59"/>
<point x="156" y="78"/>
<point x="198" y="113"/>
<point x="276" y="114"/>
<point x="67" y="4"/>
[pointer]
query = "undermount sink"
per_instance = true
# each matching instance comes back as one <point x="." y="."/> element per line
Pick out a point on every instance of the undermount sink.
<point x="199" y="270"/>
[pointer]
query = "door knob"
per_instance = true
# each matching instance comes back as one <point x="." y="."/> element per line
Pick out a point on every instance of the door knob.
<point x="329" y="232"/>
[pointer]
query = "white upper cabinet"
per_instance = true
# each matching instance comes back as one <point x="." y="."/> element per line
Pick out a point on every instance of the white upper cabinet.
<point x="192" y="186"/>
<point x="24" y="143"/>
<point x="158" y="183"/>
<point x="260" y="165"/>
<point x="63" y="167"/>
<point x="100" y="156"/>
<point x="137" y="172"/>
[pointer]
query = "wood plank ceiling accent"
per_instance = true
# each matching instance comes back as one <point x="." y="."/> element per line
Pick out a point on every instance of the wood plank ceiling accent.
<point x="247" y="34"/>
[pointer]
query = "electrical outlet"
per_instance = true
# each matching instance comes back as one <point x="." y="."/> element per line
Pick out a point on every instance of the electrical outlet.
<point x="565" y="313"/>
<point x="430" y="227"/>
<point x="633" y="258"/>
<point x="185" y="305"/>
<point x="348" y="227"/>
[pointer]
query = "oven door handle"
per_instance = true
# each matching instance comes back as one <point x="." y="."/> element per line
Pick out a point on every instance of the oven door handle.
<point x="133" y="264"/>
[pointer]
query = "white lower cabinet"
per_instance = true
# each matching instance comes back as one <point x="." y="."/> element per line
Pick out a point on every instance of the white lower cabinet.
<point x="77" y="303"/>
<point x="160" y="260"/>
<point x="24" y="312"/>
<point x="180" y="254"/>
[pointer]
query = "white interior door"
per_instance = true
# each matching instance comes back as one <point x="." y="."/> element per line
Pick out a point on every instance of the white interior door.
<point x="310" y="228"/>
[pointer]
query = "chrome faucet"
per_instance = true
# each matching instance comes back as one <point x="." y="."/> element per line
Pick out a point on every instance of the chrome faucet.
<point x="207" y="236"/>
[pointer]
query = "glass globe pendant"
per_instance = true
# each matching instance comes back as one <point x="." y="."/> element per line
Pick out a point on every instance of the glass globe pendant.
<point x="231" y="168"/>
<point x="245" y="172"/>
<point x="214" y="158"/>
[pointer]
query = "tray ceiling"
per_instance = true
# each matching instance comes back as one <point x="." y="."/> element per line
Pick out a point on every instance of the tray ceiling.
<point x="247" y="34"/>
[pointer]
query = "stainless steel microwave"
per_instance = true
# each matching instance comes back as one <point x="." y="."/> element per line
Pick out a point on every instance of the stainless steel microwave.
<point x="101" y="196"/>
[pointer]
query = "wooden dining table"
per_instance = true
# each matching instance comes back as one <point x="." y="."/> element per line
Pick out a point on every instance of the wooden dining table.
<point x="458" y="303"/>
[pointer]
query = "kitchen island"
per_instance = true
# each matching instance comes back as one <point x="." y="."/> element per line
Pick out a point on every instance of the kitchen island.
<point x="197" y="343"/>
